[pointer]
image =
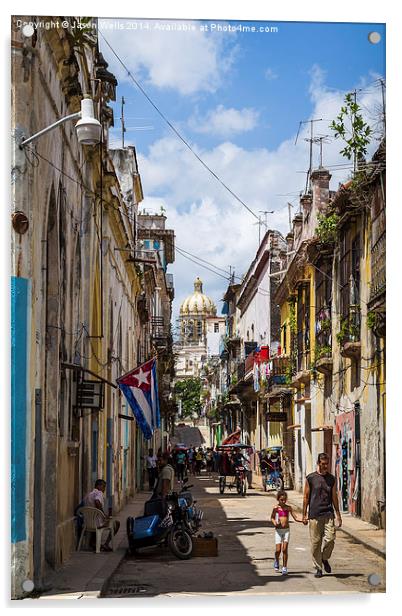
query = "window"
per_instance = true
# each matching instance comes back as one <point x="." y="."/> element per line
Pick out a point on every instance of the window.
<point x="323" y="291"/>
<point x="303" y="327"/>
<point x="350" y="283"/>
<point x="216" y="328"/>
<point x="199" y="329"/>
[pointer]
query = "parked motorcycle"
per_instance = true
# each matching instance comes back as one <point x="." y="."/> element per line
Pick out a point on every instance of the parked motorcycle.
<point x="174" y="529"/>
<point x="188" y="513"/>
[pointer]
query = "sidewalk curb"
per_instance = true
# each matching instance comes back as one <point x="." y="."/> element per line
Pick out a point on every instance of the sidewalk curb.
<point x="105" y="585"/>
<point x="369" y="546"/>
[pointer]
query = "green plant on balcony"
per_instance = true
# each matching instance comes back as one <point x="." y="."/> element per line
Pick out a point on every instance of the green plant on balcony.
<point x="326" y="325"/>
<point x="292" y="318"/>
<point x="327" y="227"/>
<point x="349" y="331"/>
<point x="320" y="351"/>
<point x="233" y="380"/>
<point x="371" y="319"/>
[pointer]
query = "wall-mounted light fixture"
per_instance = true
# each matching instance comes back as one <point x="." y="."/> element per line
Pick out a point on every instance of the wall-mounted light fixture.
<point x="88" y="127"/>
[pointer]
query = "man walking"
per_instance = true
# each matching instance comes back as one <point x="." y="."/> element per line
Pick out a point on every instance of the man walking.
<point x="321" y="498"/>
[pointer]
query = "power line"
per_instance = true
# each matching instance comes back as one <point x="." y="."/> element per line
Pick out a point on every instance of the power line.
<point x="200" y="265"/>
<point x="174" y="129"/>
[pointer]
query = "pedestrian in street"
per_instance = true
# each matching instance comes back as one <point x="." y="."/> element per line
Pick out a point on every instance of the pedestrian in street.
<point x="180" y="464"/>
<point x="165" y="483"/>
<point x="209" y="461"/>
<point x="280" y="520"/>
<point x="216" y="457"/>
<point x="96" y="499"/>
<point x="247" y="465"/>
<point x="190" y="456"/>
<point x="320" y="499"/>
<point x="151" y="464"/>
<point x="199" y="457"/>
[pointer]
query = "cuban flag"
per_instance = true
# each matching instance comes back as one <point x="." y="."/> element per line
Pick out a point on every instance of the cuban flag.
<point x="140" y="387"/>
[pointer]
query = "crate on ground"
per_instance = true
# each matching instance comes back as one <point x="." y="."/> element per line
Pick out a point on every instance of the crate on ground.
<point x="203" y="546"/>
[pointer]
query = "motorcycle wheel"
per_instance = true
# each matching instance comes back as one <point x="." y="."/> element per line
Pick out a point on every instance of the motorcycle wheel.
<point x="222" y="484"/>
<point x="180" y="543"/>
<point x="243" y="488"/>
<point x="279" y="483"/>
<point x="238" y="486"/>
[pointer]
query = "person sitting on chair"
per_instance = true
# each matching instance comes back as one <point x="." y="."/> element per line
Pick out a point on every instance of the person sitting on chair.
<point x="96" y="499"/>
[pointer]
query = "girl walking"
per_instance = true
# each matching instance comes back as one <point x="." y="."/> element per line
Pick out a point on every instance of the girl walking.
<point x="280" y="520"/>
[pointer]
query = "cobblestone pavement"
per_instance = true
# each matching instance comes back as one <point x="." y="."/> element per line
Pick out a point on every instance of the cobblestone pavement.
<point x="244" y="564"/>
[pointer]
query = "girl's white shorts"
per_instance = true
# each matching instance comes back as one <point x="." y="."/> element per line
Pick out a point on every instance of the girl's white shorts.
<point x="282" y="535"/>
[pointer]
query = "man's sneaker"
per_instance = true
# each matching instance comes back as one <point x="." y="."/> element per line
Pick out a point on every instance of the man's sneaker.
<point x="276" y="565"/>
<point x="327" y="566"/>
<point x="318" y="573"/>
<point x="284" y="570"/>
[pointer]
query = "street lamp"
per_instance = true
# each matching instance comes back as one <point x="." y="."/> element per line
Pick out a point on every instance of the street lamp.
<point x="88" y="127"/>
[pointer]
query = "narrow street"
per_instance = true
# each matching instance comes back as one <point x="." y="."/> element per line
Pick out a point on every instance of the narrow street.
<point x="245" y="561"/>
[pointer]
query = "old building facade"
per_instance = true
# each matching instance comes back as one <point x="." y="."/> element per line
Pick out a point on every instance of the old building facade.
<point x="76" y="299"/>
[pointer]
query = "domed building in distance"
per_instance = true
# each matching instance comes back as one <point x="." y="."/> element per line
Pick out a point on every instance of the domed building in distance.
<point x="200" y="332"/>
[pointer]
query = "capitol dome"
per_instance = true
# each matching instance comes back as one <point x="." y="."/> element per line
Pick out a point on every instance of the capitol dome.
<point x="197" y="303"/>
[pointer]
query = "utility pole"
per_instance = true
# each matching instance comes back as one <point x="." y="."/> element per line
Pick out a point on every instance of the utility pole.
<point x="123" y="128"/>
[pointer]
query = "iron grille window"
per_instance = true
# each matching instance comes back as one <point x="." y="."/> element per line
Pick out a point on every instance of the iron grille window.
<point x="344" y="273"/>
<point x="300" y="320"/>
<point x="323" y="292"/>
<point x="350" y="283"/>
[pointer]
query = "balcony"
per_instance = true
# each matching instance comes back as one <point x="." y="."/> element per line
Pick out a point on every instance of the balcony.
<point x="323" y="341"/>
<point x="303" y="374"/>
<point x="142" y="308"/>
<point x="159" y="332"/>
<point x="279" y="377"/>
<point x="349" y="334"/>
<point x="378" y="276"/>
<point x="249" y="364"/>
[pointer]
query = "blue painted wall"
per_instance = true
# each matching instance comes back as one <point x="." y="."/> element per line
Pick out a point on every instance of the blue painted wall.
<point x="19" y="406"/>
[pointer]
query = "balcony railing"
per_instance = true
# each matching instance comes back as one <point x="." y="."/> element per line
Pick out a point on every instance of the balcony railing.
<point x="378" y="277"/>
<point x="280" y="368"/>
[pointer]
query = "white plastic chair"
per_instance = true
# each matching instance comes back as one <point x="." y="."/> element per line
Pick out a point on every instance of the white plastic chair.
<point x="94" y="522"/>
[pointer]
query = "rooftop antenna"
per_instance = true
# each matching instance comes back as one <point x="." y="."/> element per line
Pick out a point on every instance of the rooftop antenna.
<point x="260" y="222"/>
<point x="310" y="140"/>
<point x="320" y="141"/>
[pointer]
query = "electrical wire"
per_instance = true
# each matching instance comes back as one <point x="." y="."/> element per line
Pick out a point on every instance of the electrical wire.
<point x="174" y="129"/>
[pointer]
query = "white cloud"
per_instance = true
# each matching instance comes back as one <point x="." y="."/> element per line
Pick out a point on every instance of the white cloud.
<point x="225" y="122"/>
<point x="270" y="74"/>
<point x="211" y="223"/>
<point x="188" y="62"/>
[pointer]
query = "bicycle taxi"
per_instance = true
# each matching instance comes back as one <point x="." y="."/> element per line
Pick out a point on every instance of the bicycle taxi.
<point x="271" y="468"/>
<point x="232" y="472"/>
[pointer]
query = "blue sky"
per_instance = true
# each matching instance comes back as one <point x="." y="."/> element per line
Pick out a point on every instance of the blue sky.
<point x="238" y="99"/>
